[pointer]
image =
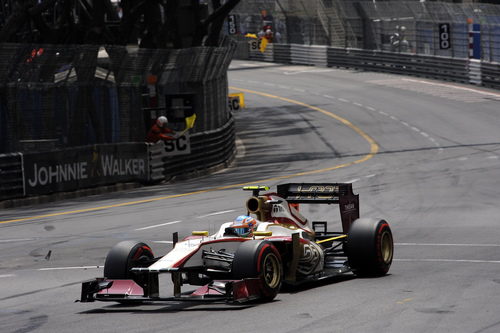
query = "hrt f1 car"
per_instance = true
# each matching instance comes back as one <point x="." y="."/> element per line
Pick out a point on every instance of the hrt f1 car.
<point x="282" y="247"/>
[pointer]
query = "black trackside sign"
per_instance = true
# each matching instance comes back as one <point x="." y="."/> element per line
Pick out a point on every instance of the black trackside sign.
<point x="83" y="167"/>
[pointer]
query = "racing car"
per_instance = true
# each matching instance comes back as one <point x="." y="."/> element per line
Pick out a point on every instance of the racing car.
<point x="250" y="259"/>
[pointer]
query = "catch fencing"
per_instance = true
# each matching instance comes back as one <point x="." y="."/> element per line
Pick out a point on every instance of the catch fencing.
<point x="59" y="96"/>
<point x="424" y="28"/>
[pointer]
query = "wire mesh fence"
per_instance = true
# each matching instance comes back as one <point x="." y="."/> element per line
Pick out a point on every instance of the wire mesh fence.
<point x="54" y="96"/>
<point x="421" y="27"/>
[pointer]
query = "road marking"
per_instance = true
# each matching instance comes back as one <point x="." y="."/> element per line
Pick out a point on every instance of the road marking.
<point x="331" y="97"/>
<point x="492" y="157"/>
<point x="424" y="134"/>
<point x="7" y="275"/>
<point x="158" y="225"/>
<point x="344" y="100"/>
<point x="450" y="244"/>
<point x="370" y="176"/>
<point x="370" y="108"/>
<point x="15" y="240"/>
<point x="216" y="213"/>
<point x="353" y="180"/>
<point x="451" y="260"/>
<point x="406" y="300"/>
<point x="358" y="104"/>
<point x="487" y="93"/>
<point x="68" y="268"/>
<point x="374" y="148"/>
<point x="308" y="71"/>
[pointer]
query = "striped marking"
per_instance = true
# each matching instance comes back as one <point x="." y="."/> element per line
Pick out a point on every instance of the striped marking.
<point x="451" y="260"/>
<point x="7" y="276"/>
<point x="216" y="213"/>
<point x="158" y="225"/>
<point x="68" y="268"/>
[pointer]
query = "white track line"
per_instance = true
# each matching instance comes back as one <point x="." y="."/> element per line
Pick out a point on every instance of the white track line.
<point x="158" y="225"/>
<point x="451" y="260"/>
<point x="7" y="275"/>
<point x="216" y="213"/>
<point x="455" y="87"/>
<point x="436" y="244"/>
<point x="15" y="240"/>
<point x="68" y="268"/>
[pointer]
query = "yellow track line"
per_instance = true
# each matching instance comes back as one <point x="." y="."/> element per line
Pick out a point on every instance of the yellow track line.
<point x="373" y="150"/>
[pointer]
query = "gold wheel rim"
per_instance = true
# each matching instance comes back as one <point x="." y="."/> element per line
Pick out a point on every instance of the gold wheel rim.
<point x="271" y="271"/>
<point x="386" y="247"/>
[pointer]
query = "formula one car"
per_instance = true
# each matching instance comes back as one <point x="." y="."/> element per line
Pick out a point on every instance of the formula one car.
<point x="251" y="258"/>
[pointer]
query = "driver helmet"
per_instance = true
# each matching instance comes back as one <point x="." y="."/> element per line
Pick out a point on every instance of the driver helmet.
<point x="244" y="225"/>
<point x="161" y="121"/>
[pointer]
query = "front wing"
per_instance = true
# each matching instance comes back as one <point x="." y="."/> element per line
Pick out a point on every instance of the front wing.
<point x="128" y="291"/>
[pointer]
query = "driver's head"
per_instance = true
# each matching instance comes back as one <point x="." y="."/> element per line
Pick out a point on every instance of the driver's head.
<point x="161" y="121"/>
<point x="244" y="225"/>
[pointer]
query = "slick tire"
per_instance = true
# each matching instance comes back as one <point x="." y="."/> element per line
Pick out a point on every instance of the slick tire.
<point x="259" y="259"/>
<point x="370" y="247"/>
<point x="125" y="255"/>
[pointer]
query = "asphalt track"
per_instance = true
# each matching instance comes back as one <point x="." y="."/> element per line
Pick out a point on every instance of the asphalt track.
<point x="422" y="154"/>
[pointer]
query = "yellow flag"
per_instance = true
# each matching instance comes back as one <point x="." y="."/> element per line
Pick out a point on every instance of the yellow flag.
<point x="251" y="35"/>
<point x="190" y="121"/>
<point x="263" y="44"/>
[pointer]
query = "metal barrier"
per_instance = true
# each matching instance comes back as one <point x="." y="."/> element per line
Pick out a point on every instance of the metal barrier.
<point x="31" y="174"/>
<point x="11" y="176"/>
<point x="442" y="68"/>
<point x="490" y="76"/>
<point x="208" y="149"/>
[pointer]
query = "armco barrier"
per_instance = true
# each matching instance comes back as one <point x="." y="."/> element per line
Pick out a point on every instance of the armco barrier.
<point x="490" y="75"/>
<point x="83" y="167"/>
<point x="436" y="67"/>
<point x="11" y="176"/>
<point x="442" y="68"/>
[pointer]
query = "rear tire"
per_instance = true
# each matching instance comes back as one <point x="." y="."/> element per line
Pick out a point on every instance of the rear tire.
<point x="370" y="247"/>
<point x="259" y="259"/>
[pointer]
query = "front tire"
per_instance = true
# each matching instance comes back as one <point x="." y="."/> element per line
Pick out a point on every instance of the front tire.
<point x="370" y="247"/>
<point x="124" y="256"/>
<point x="259" y="259"/>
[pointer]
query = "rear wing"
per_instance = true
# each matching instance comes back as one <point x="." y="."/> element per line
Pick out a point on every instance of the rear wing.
<point x="324" y="193"/>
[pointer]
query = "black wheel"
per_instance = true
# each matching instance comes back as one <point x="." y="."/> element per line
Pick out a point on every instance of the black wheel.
<point x="259" y="259"/>
<point x="370" y="247"/>
<point x="125" y="255"/>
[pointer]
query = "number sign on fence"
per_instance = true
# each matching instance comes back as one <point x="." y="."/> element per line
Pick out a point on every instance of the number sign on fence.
<point x="444" y="36"/>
